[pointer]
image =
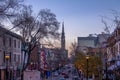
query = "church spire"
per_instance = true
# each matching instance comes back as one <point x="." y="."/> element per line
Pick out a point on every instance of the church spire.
<point x="63" y="37"/>
<point x="63" y="28"/>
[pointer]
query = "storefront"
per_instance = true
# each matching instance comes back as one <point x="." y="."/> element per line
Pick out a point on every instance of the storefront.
<point x="114" y="68"/>
<point x="2" y="73"/>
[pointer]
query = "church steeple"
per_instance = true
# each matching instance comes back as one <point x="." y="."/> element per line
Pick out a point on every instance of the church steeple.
<point x="63" y="37"/>
<point x="63" y="28"/>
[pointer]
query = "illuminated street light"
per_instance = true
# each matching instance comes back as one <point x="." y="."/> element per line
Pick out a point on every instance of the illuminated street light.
<point x="7" y="57"/>
<point x="87" y="58"/>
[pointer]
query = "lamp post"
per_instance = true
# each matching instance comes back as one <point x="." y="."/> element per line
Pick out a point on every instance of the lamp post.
<point x="87" y="58"/>
<point x="106" y="69"/>
<point x="7" y="57"/>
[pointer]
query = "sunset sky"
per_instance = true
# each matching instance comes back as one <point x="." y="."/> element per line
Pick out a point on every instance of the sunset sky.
<point x="80" y="17"/>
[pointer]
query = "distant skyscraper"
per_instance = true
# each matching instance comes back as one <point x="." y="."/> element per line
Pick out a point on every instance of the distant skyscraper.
<point x="63" y="37"/>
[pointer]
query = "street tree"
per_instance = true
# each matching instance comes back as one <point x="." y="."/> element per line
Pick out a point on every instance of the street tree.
<point x="9" y="8"/>
<point x="73" y="48"/>
<point x="94" y="63"/>
<point x="111" y="22"/>
<point x="36" y="28"/>
<point x="32" y="28"/>
<point x="44" y="25"/>
<point x="8" y="11"/>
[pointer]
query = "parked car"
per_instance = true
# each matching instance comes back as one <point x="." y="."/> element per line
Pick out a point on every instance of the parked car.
<point x="75" y="78"/>
<point x="66" y="76"/>
<point x="61" y="78"/>
<point x="63" y="73"/>
<point x="56" y="74"/>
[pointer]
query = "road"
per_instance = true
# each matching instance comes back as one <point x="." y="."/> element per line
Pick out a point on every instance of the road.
<point x="70" y="71"/>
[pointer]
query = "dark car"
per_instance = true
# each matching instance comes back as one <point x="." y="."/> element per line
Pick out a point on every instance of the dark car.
<point x="63" y="73"/>
<point x="66" y="76"/>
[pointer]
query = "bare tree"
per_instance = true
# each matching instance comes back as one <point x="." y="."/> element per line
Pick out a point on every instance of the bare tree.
<point x="73" y="48"/>
<point x="36" y="28"/>
<point x="8" y="11"/>
<point x="33" y="28"/>
<point x="25" y="21"/>
<point x="114" y="19"/>
<point x="106" y="29"/>
<point x="44" y="25"/>
<point x="9" y="7"/>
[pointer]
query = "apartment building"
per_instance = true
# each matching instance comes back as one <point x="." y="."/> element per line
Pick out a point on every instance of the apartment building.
<point x="93" y="44"/>
<point x="113" y="47"/>
<point x="10" y="52"/>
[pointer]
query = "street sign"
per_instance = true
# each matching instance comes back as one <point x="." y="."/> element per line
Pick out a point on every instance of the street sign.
<point x="48" y="73"/>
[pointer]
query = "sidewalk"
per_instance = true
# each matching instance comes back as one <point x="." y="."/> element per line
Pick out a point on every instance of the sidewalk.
<point x="86" y="79"/>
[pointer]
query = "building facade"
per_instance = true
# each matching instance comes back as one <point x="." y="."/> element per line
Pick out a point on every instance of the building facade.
<point x="84" y="43"/>
<point x="93" y="44"/>
<point x="10" y="52"/>
<point x="113" y="47"/>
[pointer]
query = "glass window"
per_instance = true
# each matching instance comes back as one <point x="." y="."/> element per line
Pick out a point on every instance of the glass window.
<point x="4" y="40"/>
<point x="18" y="58"/>
<point x="10" y="56"/>
<point x="4" y="56"/>
<point x="18" y="44"/>
<point x="15" y="43"/>
<point x="15" y="57"/>
<point x="10" y="41"/>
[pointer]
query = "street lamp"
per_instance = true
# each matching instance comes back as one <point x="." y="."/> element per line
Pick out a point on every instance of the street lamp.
<point x="87" y="58"/>
<point x="106" y="68"/>
<point x="7" y="57"/>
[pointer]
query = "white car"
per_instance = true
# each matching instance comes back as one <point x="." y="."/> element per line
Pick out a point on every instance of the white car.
<point x="61" y="78"/>
<point x="56" y="74"/>
<point x="75" y="78"/>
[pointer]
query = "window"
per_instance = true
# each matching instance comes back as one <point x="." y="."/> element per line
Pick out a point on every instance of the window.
<point x="14" y="57"/>
<point x="10" y="56"/>
<point x="10" y="42"/>
<point x="18" y="58"/>
<point x="4" y="56"/>
<point x="18" y="44"/>
<point x="14" y="43"/>
<point x="3" y="40"/>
